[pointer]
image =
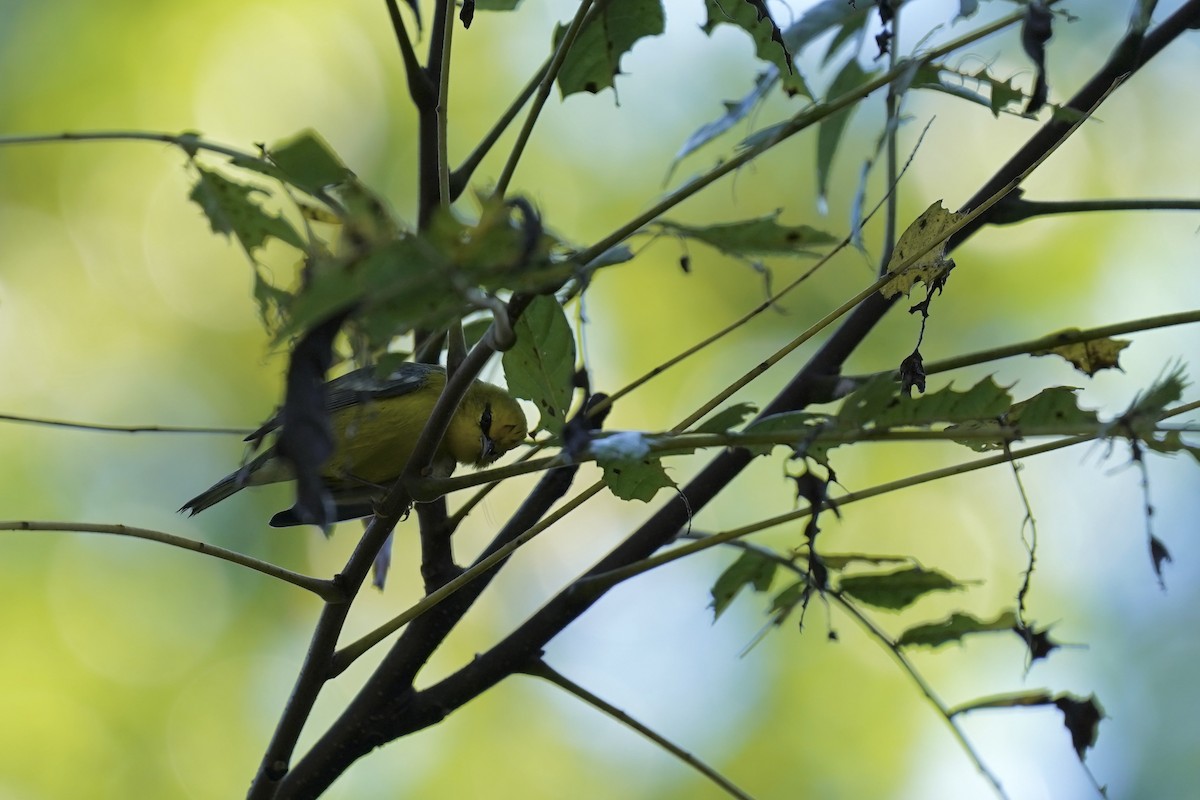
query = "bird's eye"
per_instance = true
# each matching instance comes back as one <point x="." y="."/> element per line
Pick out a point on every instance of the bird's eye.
<point x="485" y="422"/>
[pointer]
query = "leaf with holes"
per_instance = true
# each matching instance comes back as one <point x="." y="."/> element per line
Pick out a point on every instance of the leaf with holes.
<point x="1091" y="356"/>
<point x="231" y="211"/>
<point x="753" y="17"/>
<point x="1052" y="410"/>
<point x="920" y="255"/>
<point x="606" y="36"/>
<point x="635" y="480"/>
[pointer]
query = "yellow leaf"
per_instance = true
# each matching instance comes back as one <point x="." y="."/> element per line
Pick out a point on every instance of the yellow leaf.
<point x="1089" y="357"/>
<point x="926" y="236"/>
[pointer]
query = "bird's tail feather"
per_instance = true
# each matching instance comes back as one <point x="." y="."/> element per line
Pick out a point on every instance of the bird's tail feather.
<point x="227" y="486"/>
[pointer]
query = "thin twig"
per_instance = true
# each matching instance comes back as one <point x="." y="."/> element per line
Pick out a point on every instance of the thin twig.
<point x="1031" y="543"/>
<point x="96" y="426"/>
<point x="1051" y="341"/>
<point x="919" y="681"/>
<point x="542" y="670"/>
<point x="419" y="87"/>
<point x="326" y="590"/>
<point x="348" y="654"/>
<point x="545" y="86"/>
<point x="188" y="142"/>
<point x="460" y="176"/>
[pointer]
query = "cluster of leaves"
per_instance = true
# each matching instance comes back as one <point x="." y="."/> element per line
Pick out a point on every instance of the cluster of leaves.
<point x="893" y="583"/>
<point x="358" y="261"/>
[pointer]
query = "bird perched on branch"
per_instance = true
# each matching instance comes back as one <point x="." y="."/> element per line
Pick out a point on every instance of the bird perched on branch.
<point x="376" y="423"/>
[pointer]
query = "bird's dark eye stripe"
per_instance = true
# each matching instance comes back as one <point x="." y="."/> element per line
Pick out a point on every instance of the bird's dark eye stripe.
<point x="485" y="422"/>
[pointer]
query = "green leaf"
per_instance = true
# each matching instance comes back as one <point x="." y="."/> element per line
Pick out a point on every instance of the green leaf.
<point x="272" y="301"/>
<point x="925" y="236"/>
<point x="753" y="17"/>
<point x="823" y="16"/>
<point x="880" y="404"/>
<point x="1081" y="717"/>
<point x="846" y="17"/>
<point x="492" y="248"/>
<point x="734" y="113"/>
<point x="1030" y="697"/>
<point x="635" y="480"/>
<point x="308" y="162"/>
<point x="1171" y="442"/>
<point x="789" y="598"/>
<point x="1051" y="409"/>
<point x="800" y="423"/>
<point x="496" y="5"/>
<point x="945" y="79"/>
<point x="976" y="433"/>
<point x="231" y="211"/>
<point x="829" y="132"/>
<point x="763" y="135"/>
<point x="1003" y="93"/>
<point x="541" y="366"/>
<point x="954" y="629"/>
<point x="1162" y="393"/>
<point x="842" y="560"/>
<point x="751" y="569"/>
<point x="727" y="419"/>
<point x="896" y="590"/>
<point x="608" y="35"/>
<point x="758" y="236"/>
<point x="395" y="287"/>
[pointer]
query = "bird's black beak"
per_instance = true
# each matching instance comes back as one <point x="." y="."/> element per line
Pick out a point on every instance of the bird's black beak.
<point x="487" y="449"/>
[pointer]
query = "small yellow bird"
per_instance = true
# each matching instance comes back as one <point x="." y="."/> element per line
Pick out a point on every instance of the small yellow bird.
<point x="376" y="423"/>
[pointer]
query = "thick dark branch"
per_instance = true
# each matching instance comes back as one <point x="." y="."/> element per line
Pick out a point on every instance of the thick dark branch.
<point x="1015" y="208"/>
<point x="420" y="87"/>
<point x="429" y="193"/>
<point x="365" y="723"/>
